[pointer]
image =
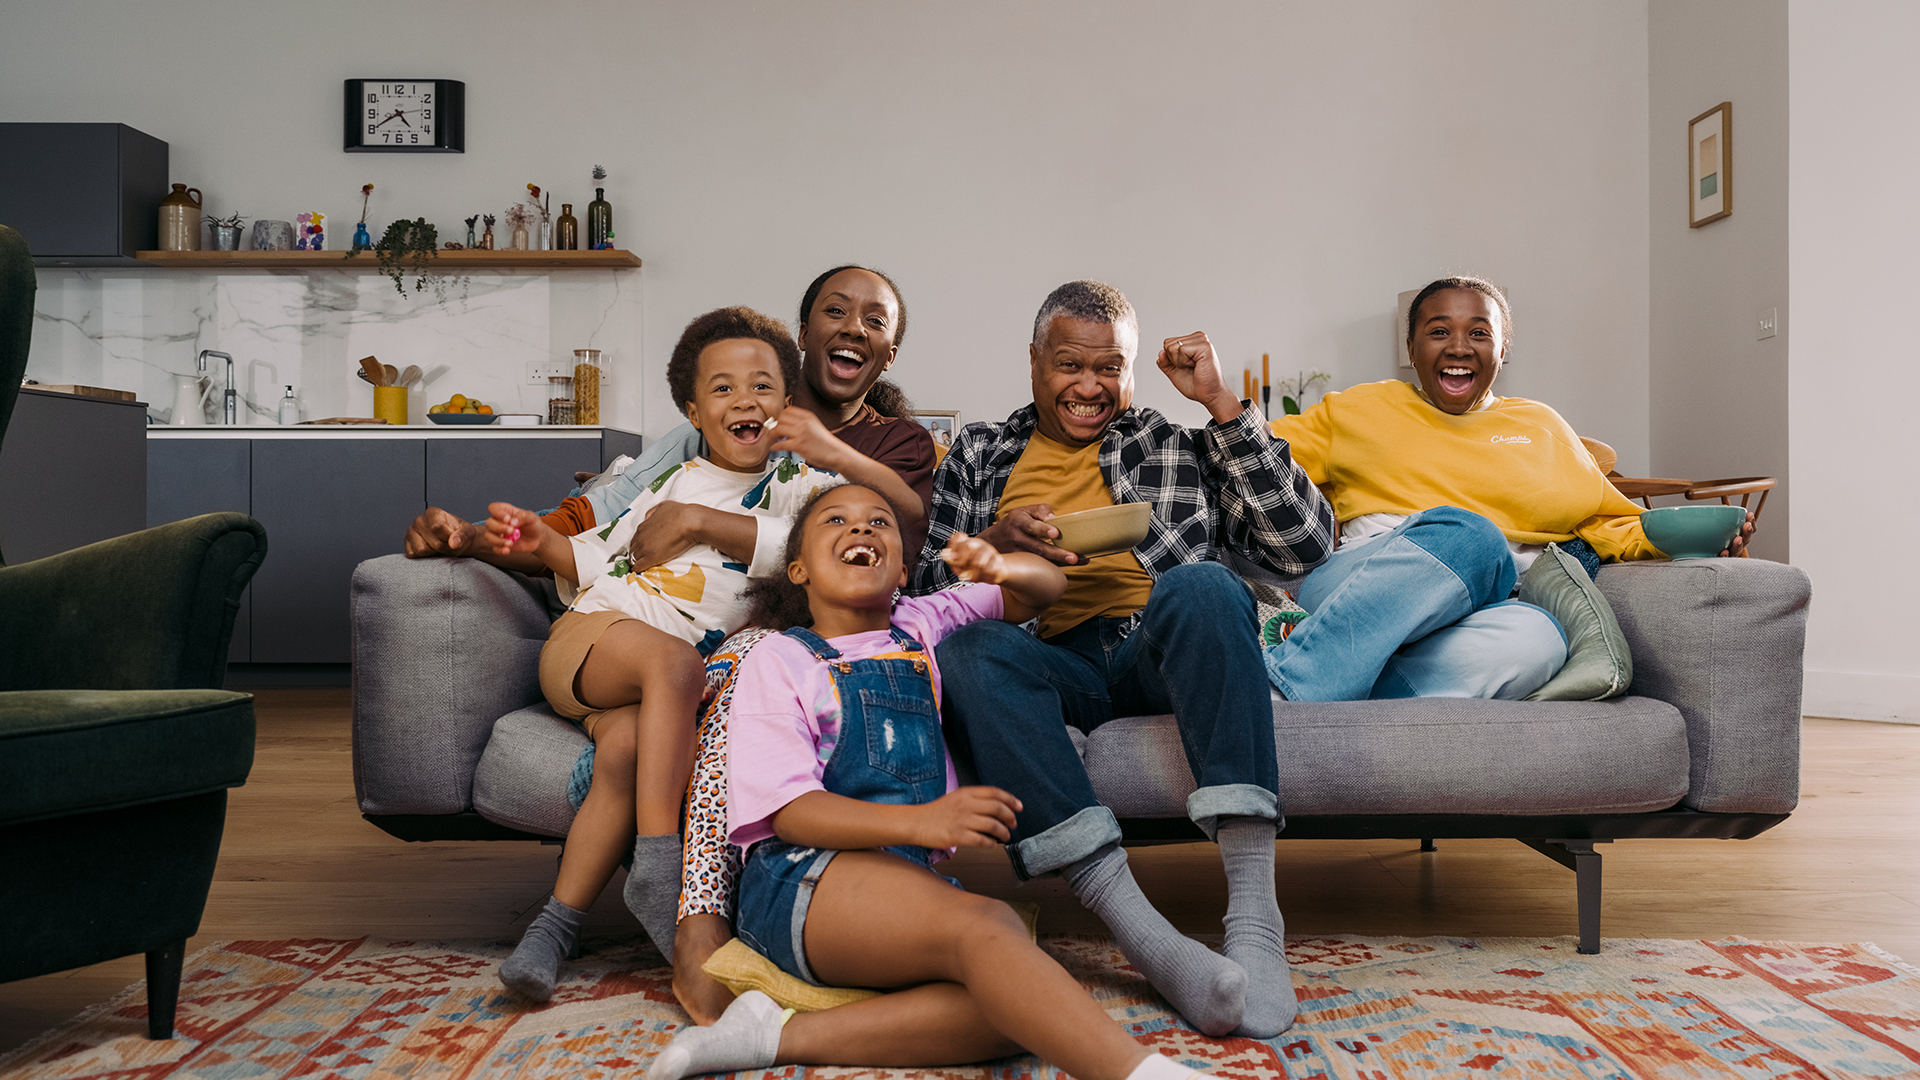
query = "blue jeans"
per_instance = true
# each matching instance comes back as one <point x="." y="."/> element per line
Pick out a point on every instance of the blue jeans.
<point x="1419" y="612"/>
<point x="1009" y="697"/>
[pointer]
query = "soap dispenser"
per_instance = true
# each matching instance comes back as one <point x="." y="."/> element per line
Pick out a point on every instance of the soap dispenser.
<point x="289" y="409"/>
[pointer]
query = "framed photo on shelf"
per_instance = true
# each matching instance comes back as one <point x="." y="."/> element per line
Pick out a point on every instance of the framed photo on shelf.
<point x="1710" y="165"/>
<point x="943" y="423"/>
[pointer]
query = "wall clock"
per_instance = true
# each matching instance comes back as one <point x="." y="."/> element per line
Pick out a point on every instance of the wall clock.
<point x="424" y="116"/>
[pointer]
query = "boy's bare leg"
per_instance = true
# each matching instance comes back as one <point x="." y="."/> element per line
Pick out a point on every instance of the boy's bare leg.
<point x="633" y="662"/>
<point x="598" y="837"/>
<point x="602" y="831"/>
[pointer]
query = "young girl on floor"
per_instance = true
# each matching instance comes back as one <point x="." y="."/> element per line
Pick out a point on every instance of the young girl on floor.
<point x="839" y="781"/>
<point x="625" y="661"/>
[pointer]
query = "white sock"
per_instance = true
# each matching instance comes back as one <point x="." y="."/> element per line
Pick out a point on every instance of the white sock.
<point x="747" y="1036"/>
<point x="1156" y="1067"/>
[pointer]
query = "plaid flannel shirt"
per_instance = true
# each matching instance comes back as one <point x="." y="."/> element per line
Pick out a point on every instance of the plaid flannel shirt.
<point x="1229" y="486"/>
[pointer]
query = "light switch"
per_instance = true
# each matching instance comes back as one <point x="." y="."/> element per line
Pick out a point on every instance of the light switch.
<point x="1766" y="324"/>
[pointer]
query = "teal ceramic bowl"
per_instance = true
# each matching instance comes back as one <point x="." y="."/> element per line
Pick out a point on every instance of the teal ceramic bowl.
<point x="1692" y="532"/>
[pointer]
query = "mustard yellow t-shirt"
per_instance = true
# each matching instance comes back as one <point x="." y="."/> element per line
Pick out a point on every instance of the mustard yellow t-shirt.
<point x="1381" y="448"/>
<point x="1069" y="480"/>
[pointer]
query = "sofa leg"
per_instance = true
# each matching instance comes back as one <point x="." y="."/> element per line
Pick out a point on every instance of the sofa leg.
<point x="1579" y="857"/>
<point x="163" y="988"/>
<point x="1426" y="844"/>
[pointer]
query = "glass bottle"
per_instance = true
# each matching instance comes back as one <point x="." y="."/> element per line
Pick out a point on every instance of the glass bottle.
<point x="362" y="239"/>
<point x="289" y="409"/>
<point x="599" y="220"/>
<point x="566" y="231"/>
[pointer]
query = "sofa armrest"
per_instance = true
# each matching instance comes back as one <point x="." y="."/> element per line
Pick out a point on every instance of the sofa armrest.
<point x="441" y="649"/>
<point x="1721" y="640"/>
<point x="151" y="610"/>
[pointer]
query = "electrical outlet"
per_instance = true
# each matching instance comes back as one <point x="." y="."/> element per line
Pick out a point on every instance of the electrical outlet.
<point x="540" y="371"/>
<point x="1766" y="324"/>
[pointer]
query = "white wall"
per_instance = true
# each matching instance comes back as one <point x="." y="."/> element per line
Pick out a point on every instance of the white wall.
<point x="1854" y="236"/>
<point x="1271" y="172"/>
<point x="1719" y="394"/>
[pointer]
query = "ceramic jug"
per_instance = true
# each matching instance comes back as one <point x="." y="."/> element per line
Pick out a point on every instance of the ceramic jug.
<point x="180" y="219"/>
<point x="190" y="400"/>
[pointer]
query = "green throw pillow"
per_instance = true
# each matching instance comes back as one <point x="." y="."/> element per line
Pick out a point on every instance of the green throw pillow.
<point x="1598" y="665"/>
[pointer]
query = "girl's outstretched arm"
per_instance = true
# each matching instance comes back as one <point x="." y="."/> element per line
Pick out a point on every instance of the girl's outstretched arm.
<point x="965" y="817"/>
<point x="1028" y="583"/>
<point x="509" y="529"/>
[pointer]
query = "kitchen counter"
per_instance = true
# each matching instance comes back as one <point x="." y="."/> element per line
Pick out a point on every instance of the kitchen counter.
<point x="393" y="431"/>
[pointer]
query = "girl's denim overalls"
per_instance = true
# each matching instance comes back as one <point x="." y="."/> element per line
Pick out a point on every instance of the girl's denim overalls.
<point x="890" y="750"/>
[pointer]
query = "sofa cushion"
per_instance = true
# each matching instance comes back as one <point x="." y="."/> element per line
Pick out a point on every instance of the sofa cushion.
<point x="1423" y="756"/>
<point x="69" y="751"/>
<point x="1598" y="664"/>
<point x="522" y="779"/>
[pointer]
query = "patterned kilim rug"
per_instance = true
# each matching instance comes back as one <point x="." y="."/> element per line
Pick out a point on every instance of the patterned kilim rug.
<point x="1371" y="1009"/>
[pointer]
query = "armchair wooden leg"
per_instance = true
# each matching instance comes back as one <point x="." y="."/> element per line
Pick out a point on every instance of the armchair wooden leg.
<point x="163" y="988"/>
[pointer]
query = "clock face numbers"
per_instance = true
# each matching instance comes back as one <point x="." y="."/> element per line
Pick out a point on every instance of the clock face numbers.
<point x="397" y="114"/>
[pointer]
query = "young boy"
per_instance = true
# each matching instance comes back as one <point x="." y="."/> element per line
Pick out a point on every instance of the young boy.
<point x="626" y="660"/>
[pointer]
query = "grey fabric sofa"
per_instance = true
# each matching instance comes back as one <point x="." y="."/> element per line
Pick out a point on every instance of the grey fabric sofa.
<point x="452" y="740"/>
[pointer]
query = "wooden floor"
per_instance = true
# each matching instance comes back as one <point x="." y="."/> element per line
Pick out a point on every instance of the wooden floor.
<point x="298" y="861"/>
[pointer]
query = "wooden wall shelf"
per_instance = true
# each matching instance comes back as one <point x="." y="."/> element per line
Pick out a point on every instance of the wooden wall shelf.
<point x="367" y="262"/>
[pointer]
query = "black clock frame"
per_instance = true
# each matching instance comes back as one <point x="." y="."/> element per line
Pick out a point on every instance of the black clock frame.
<point x="449" y="118"/>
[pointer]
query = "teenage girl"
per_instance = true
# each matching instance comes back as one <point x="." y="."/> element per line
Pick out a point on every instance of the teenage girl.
<point x="841" y="786"/>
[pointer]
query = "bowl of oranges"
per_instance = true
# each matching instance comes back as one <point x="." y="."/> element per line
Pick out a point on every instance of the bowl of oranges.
<point x="461" y="409"/>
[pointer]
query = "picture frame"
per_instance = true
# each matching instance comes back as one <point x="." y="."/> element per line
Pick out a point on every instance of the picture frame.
<point x="1710" y="165"/>
<point x="944" y="424"/>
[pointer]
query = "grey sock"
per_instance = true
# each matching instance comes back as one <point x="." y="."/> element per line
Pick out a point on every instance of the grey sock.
<point x="653" y="888"/>
<point x="535" y="964"/>
<point x="747" y="1036"/>
<point x="1203" y="986"/>
<point x="1256" y="934"/>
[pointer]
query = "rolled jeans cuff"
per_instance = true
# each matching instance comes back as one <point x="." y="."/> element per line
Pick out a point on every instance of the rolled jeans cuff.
<point x="1207" y="805"/>
<point x="1068" y="842"/>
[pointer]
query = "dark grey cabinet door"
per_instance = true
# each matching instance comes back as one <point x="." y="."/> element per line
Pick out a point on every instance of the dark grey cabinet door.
<point x="464" y="475"/>
<point x="73" y="471"/>
<point x="327" y="504"/>
<point x="190" y="477"/>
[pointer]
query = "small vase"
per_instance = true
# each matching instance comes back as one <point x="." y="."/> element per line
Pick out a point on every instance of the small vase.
<point x="599" y="220"/>
<point x="519" y="241"/>
<point x="472" y="241"/>
<point x="486" y="239"/>
<point x="566" y="231"/>
<point x="362" y="239"/>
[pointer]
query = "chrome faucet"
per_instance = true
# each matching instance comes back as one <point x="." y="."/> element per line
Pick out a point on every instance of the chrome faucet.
<point x="230" y="400"/>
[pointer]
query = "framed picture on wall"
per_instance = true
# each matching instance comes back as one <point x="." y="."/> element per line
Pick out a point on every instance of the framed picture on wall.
<point x="943" y="423"/>
<point x="1710" y="165"/>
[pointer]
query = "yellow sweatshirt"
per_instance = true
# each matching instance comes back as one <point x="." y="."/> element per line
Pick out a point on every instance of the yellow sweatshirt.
<point x="1381" y="448"/>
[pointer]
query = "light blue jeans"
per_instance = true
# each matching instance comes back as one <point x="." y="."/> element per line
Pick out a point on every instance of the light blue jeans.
<point x="1419" y="612"/>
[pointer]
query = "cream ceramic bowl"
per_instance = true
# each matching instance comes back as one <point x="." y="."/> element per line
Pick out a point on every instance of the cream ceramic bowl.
<point x="1105" y="530"/>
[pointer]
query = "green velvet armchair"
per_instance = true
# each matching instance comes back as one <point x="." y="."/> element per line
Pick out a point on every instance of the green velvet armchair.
<point x="117" y="745"/>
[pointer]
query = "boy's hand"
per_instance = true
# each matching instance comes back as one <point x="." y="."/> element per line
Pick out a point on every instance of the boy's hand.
<point x="436" y="533"/>
<point x="801" y="433"/>
<point x="967" y="817"/>
<point x="509" y="529"/>
<point x="973" y="559"/>
<point x="668" y="530"/>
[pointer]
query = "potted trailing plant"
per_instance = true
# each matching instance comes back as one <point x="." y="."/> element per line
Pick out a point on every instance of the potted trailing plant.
<point x="406" y="249"/>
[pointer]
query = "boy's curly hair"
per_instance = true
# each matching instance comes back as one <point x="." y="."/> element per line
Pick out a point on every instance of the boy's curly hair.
<point x="775" y="602"/>
<point x="726" y="324"/>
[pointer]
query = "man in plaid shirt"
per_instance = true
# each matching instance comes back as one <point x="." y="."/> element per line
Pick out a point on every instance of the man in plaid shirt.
<point x="1162" y="628"/>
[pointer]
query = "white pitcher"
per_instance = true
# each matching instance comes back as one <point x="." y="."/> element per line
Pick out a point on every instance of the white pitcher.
<point x="190" y="400"/>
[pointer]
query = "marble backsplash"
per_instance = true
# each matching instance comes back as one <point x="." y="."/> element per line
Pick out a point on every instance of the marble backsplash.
<point x="136" y="329"/>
